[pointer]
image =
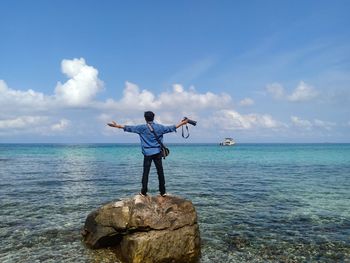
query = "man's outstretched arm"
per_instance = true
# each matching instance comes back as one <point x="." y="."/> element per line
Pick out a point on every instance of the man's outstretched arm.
<point x="115" y="125"/>
<point x="126" y="128"/>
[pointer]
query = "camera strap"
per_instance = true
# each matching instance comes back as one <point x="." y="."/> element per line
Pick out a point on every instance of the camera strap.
<point x="162" y="146"/>
<point x="183" y="133"/>
<point x="155" y="135"/>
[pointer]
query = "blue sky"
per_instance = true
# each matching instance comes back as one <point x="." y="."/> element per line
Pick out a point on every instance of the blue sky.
<point x="258" y="71"/>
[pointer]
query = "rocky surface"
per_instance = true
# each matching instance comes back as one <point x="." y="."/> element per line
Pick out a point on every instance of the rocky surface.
<point x="146" y="229"/>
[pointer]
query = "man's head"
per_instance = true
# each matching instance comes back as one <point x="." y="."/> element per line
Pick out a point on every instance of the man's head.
<point x="149" y="116"/>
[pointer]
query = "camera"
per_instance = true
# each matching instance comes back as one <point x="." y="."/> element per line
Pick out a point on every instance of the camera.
<point x="192" y="122"/>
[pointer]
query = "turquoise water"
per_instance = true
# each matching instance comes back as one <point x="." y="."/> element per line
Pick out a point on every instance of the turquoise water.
<point x="255" y="202"/>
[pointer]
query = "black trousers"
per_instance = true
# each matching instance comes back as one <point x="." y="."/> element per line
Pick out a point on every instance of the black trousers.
<point x="147" y="161"/>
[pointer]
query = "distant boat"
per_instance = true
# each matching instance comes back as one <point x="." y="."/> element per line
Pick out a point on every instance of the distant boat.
<point x="228" y="142"/>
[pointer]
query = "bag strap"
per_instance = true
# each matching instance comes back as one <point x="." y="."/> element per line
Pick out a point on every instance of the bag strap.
<point x="183" y="133"/>
<point x="155" y="135"/>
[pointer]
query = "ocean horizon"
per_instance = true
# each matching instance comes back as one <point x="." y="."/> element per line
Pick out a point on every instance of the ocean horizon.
<point x="256" y="202"/>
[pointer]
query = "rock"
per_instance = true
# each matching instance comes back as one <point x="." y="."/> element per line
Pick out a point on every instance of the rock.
<point x="146" y="229"/>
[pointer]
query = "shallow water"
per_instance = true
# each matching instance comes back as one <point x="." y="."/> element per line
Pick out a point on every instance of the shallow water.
<point x="255" y="202"/>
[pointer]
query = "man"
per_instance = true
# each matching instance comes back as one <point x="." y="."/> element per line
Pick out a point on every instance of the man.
<point x="151" y="149"/>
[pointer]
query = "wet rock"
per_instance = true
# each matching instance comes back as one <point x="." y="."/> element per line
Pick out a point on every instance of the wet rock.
<point x="146" y="229"/>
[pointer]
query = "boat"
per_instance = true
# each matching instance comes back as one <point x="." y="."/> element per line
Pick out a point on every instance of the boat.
<point x="228" y="142"/>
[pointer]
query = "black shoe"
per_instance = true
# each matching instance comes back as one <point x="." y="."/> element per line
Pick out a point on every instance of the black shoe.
<point x="143" y="195"/>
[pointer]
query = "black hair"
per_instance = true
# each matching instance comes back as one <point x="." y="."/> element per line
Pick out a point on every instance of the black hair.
<point x="149" y="116"/>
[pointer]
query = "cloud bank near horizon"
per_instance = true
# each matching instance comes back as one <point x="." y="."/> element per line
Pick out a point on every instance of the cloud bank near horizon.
<point x="73" y="110"/>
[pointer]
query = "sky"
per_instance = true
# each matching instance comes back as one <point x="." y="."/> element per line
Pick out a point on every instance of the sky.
<point x="256" y="71"/>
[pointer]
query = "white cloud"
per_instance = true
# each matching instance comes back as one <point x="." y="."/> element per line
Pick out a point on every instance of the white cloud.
<point x="301" y="123"/>
<point x="104" y="117"/>
<point x="232" y="120"/>
<point x="133" y="98"/>
<point x="61" y="125"/>
<point x="308" y="125"/>
<point x="303" y="92"/>
<point x="178" y="98"/>
<point x="23" y="122"/>
<point x="191" y="99"/>
<point x="16" y="100"/>
<point x="246" y="102"/>
<point x="3" y="86"/>
<point x="82" y="86"/>
<point x="79" y="90"/>
<point x="324" y="124"/>
<point x="210" y="109"/>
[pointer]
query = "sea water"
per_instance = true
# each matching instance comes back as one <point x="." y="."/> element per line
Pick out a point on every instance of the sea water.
<point x="255" y="202"/>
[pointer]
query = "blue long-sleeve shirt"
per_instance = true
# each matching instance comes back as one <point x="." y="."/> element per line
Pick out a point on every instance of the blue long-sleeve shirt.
<point x="149" y="142"/>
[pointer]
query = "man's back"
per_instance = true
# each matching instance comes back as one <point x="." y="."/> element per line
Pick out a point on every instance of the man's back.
<point x="149" y="143"/>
